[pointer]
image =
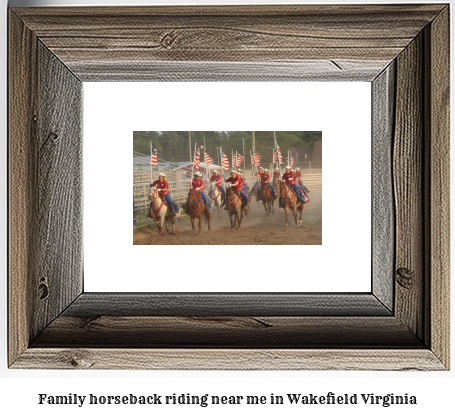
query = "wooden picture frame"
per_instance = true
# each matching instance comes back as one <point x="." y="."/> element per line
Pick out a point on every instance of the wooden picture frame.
<point x="403" y="324"/>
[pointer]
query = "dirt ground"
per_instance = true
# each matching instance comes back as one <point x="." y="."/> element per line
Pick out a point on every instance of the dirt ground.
<point x="257" y="229"/>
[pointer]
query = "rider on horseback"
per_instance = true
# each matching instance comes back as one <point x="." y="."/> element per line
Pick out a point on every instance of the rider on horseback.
<point x="298" y="179"/>
<point x="162" y="186"/>
<point x="245" y="187"/>
<point x="277" y="174"/>
<point x="289" y="177"/>
<point x="258" y="174"/>
<point x="236" y="186"/>
<point x="198" y="185"/>
<point x="265" y="181"/>
<point x="215" y="177"/>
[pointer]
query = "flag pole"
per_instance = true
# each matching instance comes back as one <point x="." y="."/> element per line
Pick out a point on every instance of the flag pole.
<point x="151" y="162"/>
<point x="236" y="158"/>
<point x="192" y="165"/>
<point x="244" y="158"/>
<point x="222" y="169"/>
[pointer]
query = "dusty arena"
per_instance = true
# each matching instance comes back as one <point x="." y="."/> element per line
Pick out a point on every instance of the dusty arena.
<point x="257" y="229"/>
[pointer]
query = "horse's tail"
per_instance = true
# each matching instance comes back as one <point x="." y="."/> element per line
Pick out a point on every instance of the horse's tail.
<point x="206" y="214"/>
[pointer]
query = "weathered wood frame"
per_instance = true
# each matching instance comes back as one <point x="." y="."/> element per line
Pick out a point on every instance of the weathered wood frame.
<point x="403" y="50"/>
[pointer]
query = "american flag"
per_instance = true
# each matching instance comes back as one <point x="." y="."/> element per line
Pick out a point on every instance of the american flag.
<point x="290" y="160"/>
<point x="277" y="155"/>
<point x="233" y="159"/>
<point x="154" y="155"/>
<point x="208" y="159"/>
<point x="256" y="159"/>
<point x="225" y="162"/>
<point x="197" y="158"/>
<point x="240" y="160"/>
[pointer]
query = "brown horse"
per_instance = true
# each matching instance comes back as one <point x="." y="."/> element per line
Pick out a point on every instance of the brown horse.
<point x="196" y="209"/>
<point x="235" y="206"/>
<point x="268" y="200"/>
<point x="290" y="202"/>
<point x="276" y="183"/>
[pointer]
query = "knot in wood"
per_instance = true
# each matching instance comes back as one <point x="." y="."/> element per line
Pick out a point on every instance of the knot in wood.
<point x="405" y="278"/>
<point x="43" y="291"/>
<point x="168" y="40"/>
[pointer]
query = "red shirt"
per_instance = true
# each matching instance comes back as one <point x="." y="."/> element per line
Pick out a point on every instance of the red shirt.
<point x="298" y="175"/>
<point x="161" y="185"/>
<point x="237" y="180"/>
<point x="198" y="183"/>
<point x="258" y="174"/>
<point x="277" y="174"/>
<point x="289" y="177"/>
<point x="265" y="178"/>
<point x="216" y="179"/>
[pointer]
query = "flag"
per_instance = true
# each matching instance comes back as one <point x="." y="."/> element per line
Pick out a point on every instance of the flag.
<point x="290" y="160"/>
<point x="257" y="159"/>
<point x="154" y="155"/>
<point x="253" y="159"/>
<point x="197" y="158"/>
<point x="277" y="155"/>
<point x="240" y="160"/>
<point x="208" y="159"/>
<point x="233" y="160"/>
<point x="225" y="162"/>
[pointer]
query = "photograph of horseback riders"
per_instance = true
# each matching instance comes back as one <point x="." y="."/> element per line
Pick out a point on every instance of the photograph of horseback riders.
<point x="227" y="187"/>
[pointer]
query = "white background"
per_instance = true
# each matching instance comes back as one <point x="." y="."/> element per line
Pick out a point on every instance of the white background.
<point x="341" y="110"/>
<point x="19" y="389"/>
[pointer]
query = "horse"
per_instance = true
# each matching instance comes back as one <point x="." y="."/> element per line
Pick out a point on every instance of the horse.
<point x="161" y="211"/>
<point x="216" y="195"/>
<point x="290" y="201"/>
<point x="267" y="199"/>
<point x="276" y="183"/>
<point x="235" y="206"/>
<point x="196" y="209"/>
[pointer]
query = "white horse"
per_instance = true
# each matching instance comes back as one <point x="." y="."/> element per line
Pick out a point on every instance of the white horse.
<point x="161" y="212"/>
<point x="216" y="196"/>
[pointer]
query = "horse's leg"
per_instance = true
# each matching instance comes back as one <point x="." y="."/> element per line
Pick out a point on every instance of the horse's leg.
<point x="173" y="223"/>
<point x="294" y="211"/>
<point x="301" y="211"/>
<point x="192" y="223"/>
<point x="241" y="215"/>
<point x="167" y="222"/>
<point x="264" y="203"/>
<point x="210" y="217"/>
<point x="286" y="210"/>
<point x="230" y="218"/>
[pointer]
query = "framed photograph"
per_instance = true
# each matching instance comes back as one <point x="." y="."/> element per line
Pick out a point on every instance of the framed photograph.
<point x="400" y="323"/>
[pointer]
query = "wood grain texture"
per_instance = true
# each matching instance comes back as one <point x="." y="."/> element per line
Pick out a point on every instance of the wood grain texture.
<point x="438" y="144"/>
<point x="22" y="132"/>
<point x="228" y="34"/>
<point x="89" y="305"/>
<point x="383" y="215"/>
<point x="309" y="71"/>
<point x="408" y="188"/>
<point x="229" y="359"/>
<point x="57" y="219"/>
<point x="257" y="332"/>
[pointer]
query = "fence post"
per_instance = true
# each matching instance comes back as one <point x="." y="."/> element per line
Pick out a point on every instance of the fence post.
<point x="134" y="214"/>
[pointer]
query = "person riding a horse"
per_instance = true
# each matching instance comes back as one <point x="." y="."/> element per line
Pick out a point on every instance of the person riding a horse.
<point x="265" y="181"/>
<point x="237" y="185"/>
<point x="298" y="179"/>
<point x="215" y="177"/>
<point x="289" y="177"/>
<point x="163" y="186"/>
<point x="245" y="187"/>
<point x="277" y="174"/>
<point x="198" y="185"/>
<point x="258" y="174"/>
